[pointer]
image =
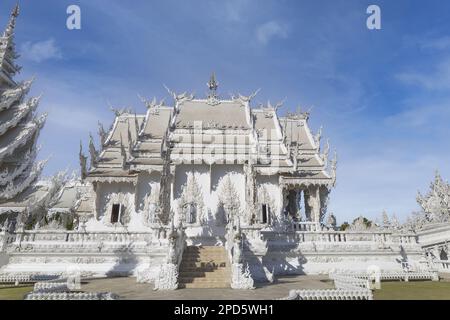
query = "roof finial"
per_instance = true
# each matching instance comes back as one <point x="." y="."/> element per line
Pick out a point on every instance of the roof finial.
<point x="16" y="11"/>
<point x="12" y="21"/>
<point x="213" y="85"/>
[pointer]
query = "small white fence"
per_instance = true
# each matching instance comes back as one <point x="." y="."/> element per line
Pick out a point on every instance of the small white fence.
<point x="25" y="278"/>
<point x="389" y="276"/>
<point x="54" y="287"/>
<point x="60" y="290"/>
<point x="357" y="286"/>
<point x="71" y="296"/>
<point x="330" y="294"/>
<point x="347" y="287"/>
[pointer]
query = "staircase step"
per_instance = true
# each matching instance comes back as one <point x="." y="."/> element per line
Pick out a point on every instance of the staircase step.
<point x="204" y="267"/>
<point x="203" y="286"/>
<point x="205" y="275"/>
<point x="203" y="280"/>
<point x="202" y="264"/>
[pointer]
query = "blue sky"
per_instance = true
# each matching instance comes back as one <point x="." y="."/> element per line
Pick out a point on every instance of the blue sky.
<point x="383" y="96"/>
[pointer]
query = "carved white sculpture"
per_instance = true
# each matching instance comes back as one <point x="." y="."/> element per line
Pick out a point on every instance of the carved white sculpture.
<point x="229" y="199"/>
<point x="152" y="206"/>
<point x="190" y="204"/>
<point x="436" y="204"/>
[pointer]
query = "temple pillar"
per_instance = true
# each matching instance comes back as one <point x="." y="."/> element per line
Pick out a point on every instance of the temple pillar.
<point x="298" y="202"/>
<point x="292" y="203"/>
<point x="314" y="203"/>
<point x="324" y="192"/>
<point x="308" y="204"/>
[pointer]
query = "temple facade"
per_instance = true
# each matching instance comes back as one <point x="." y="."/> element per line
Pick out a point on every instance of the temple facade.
<point x="204" y="162"/>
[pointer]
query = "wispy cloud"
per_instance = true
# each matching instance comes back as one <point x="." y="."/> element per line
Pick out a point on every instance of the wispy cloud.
<point x="235" y="10"/>
<point x="269" y="30"/>
<point x="41" y="50"/>
<point x="427" y="115"/>
<point x="438" y="79"/>
<point x="440" y="43"/>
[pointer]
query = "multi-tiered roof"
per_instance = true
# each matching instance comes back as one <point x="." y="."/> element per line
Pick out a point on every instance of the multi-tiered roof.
<point x="212" y="131"/>
<point x="19" y="125"/>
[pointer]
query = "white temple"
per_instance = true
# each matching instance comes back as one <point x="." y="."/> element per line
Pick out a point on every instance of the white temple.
<point x="200" y="186"/>
<point x="184" y="160"/>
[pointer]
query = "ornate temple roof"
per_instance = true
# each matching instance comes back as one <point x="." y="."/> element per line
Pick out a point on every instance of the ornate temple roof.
<point x="222" y="115"/>
<point x="209" y="131"/>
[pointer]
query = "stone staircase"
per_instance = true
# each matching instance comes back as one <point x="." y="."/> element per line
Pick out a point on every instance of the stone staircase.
<point x="204" y="267"/>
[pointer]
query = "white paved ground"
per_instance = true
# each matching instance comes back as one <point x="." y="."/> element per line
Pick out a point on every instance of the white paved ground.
<point x="127" y="288"/>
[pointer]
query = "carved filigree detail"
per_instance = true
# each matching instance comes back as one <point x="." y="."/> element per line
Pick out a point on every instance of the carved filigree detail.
<point x="152" y="206"/>
<point x="190" y="204"/>
<point x="229" y="199"/>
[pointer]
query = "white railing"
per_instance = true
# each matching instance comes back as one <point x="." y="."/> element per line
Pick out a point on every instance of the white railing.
<point x="345" y="281"/>
<point x="377" y="237"/>
<point x="70" y="296"/>
<point x="406" y="276"/>
<point x="60" y="290"/>
<point x="330" y="294"/>
<point x="306" y="226"/>
<point x="18" y="278"/>
<point x="444" y="265"/>
<point x="40" y="287"/>
<point x="104" y="236"/>
<point x="388" y="276"/>
<point x="42" y="241"/>
<point x="347" y="287"/>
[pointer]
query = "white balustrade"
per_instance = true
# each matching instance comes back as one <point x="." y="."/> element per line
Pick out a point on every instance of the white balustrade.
<point x="330" y="294"/>
<point x="70" y="296"/>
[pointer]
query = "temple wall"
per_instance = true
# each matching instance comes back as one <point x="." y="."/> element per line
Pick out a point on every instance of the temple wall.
<point x="108" y="194"/>
<point x="210" y="179"/>
<point x="271" y="184"/>
<point x="92" y="253"/>
<point x="236" y="174"/>
<point x="310" y="263"/>
<point x="146" y="183"/>
<point x="298" y="253"/>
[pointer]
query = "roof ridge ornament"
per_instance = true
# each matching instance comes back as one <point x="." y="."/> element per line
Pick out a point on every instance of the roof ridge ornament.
<point x="299" y="114"/>
<point x="245" y="99"/>
<point x="153" y="104"/>
<point x="212" y="86"/>
<point x="179" y="98"/>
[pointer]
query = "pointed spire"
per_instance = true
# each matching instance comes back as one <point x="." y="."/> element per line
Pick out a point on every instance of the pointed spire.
<point x="130" y="140"/>
<point x="102" y="135"/>
<point x="83" y="160"/>
<point x="92" y="151"/>
<point x="136" y="125"/>
<point x="12" y="22"/>
<point x="213" y="85"/>
<point x="7" y="49"/>
<point x="123" y="153"/>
